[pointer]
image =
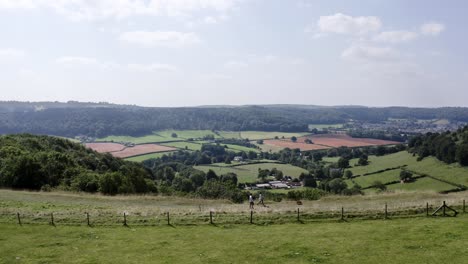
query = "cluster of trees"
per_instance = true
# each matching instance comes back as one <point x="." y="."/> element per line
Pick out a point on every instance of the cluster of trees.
<point x="385" y="135"/>
<point x="448" y="147"/>
<point x="236" y="141"/>
<point x="42" y="162"/>
<point x="102" y="119"/>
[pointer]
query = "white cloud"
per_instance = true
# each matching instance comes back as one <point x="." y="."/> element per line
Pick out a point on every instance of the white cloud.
<point x="344" y="24"/>
<point x="160" y="38"/>
<point x="12" y="53"/>
<point x="372" y="53"/>
<point x="398" y="36"/>
<point x="432" y="29"/>
<point x="155" y="67"/>
<point x="101" y="9"/>
<point x="78" y="61"/>
<point x="215" y="76"/>
<point x="236" y="64"/>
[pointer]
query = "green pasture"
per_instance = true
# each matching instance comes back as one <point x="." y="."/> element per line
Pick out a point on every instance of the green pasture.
<point x="322" y="126"/>
<point x="419" y="240"/>
<point x="384" y="177"/>
<point x="184" y="145"/>
<point x="249" y="173"/>
<point x="422" y="184"/>
<point x="149" y="156"/>
<point x="255" y="135"/>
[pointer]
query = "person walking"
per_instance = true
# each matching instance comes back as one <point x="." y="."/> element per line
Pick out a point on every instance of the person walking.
<point x="251" y="202"/>
<point x="260" y="200"/>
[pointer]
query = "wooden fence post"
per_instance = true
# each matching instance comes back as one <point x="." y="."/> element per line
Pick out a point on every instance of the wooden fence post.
<point x="386" y="211"/>
<point x="211" y="217"/>
<point x="19" y="218"/>
<point x="251" y="216"/>
<point x="443" y="210"/>
<point x="464" y="207"/>
<point x="342" y="213"/>
<point x="427" y="209"/>
<point x="87" y="219"/>
<point x="298" y="215"/>
<point x="168" y="219"/>
<point x="52" y="219"/>
<point x="125" y="219"/>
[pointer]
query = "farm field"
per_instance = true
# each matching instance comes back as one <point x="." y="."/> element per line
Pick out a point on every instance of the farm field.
<point x="384" y="177"/>
<point x="424" y="240"/>
<point x="335" y="140"/>
<point x="430" y="166"/>
<point x="105" y="147"/>
<point x="142" y="158"/>
<point x="141" y="150"/>
<point x="184" y="145"/>
<point x="249" y="173"/>
<point x="325" y="141"/>
<point x="422" y="184"/>
<point x="398" y="240"/>
<point x="160" y="136"/>
<point x="255" y="135"/>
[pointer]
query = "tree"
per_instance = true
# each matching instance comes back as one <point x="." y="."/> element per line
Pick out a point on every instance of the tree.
<point x="227" y="160"/>
<point x="379" y="185"/>
<point x="309" y="181"/>
<point x="406" y="176"/>
<point x="337" y="186"/>
<point x="263" y="174"/>
<point x="211" y="175"/>
<point x="363" y="160"/>
<point x="343" y="163"/>
<point x="260" y="141"/>
<point x="317" y="156"/>
<point x="462" y="154"/>
<point x="174" y="135"/>
<point x="308" y="141"/>
<point x="348" y="174"/>
<point x="293" y="139"/>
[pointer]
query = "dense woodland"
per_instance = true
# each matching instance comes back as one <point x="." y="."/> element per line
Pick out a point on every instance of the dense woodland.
<point x="448" y="147"/>
<point x="99" y="120"/>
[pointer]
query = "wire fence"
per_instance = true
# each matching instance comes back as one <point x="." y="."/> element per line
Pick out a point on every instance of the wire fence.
<point x="299" y="214"/>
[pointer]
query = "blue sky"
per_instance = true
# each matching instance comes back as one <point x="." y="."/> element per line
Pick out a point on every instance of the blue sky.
<point x="213" y="52"/>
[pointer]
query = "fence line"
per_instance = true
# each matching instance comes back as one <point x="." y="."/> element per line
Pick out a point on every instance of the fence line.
<point x="301" y="215"/>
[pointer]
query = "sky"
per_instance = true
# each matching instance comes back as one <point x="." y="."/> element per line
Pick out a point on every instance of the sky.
<point x="235" y="52"/>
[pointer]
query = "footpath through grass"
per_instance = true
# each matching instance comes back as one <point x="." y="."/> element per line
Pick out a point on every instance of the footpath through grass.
<point x="420" y="240"/>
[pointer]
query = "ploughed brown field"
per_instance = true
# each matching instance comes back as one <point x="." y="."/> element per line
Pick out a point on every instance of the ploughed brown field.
<point x="125" y="152"/>
<point x="105" y="147"/>
<point x="287" y="143"/>
<point x="326" y="141"/>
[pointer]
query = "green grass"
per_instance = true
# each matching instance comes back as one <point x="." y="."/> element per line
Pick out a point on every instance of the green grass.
<point x="420" y="240"/>
<point x="254" y="135"/>
<point x="384" y="177"/>
<point x="431" y="166"/>
<point x="331" y="159"/>
<point x="237" y="148"/>
<point x="422" y="184"/>
<point x="148" y="156"/>
<point x="139" y="140"/>
<point x="186" y="134"/>
<point x="249" y="173"/>
<point x="184" y="144"/>
<point x="230" y="134"/>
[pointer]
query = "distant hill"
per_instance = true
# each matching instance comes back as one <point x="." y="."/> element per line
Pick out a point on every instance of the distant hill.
<point x="103" y="119"/>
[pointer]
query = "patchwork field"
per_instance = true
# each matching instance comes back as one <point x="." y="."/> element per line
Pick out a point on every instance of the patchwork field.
<point x="161" y="136"/>
<point x="338" y="140"/>
<point x="105" y="147"/>
<point x="141" y="150"/>
<point x="326" y="141"/>
<point x="442" y="174"/>
<point x="255" y="135"/>
<point x="142" y="158"/>
<point x="249" y="173"/>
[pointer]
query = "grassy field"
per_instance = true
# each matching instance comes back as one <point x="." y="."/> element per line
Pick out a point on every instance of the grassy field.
<point x="424" y="240"/>
<point x="384" y="177"/>
<point x="161" y="136"/>
<point x="422" y="184"/>
<point x="254" y="135"/>
<point x="430" y="166"/>
<point x="148" y="156"/>
<point x="249" y="173"/>
<point x="184" y="145"/>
